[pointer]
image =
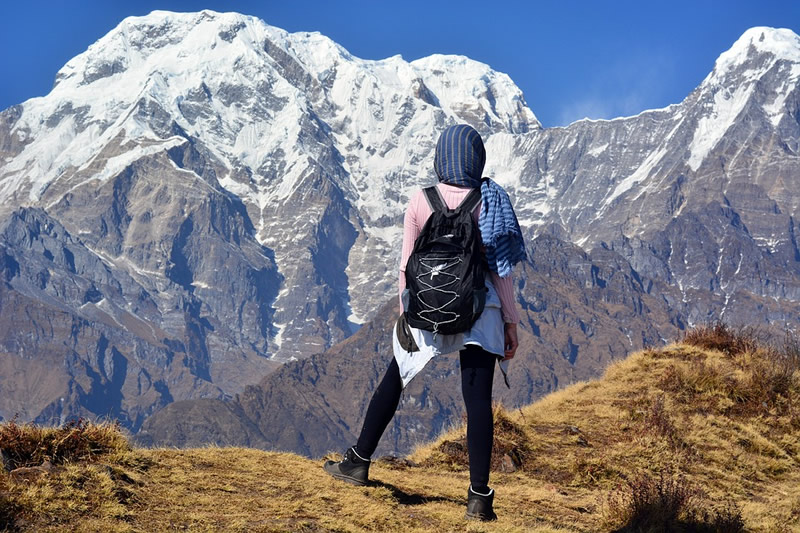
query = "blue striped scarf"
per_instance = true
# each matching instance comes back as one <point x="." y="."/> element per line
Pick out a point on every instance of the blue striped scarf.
<point x="460" y="157"/>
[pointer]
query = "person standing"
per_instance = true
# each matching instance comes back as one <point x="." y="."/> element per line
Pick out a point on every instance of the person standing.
<point x="459" y="161"/>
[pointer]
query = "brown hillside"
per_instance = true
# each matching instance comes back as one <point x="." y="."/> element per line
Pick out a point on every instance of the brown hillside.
<point x="702" y="435"/>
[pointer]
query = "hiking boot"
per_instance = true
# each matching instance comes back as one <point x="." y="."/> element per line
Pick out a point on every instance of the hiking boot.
<point x="352" y="469"/>
<point x="479" y="506"/>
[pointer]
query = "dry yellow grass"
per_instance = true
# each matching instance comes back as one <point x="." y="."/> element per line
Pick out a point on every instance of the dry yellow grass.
<point x="728" y="423"/>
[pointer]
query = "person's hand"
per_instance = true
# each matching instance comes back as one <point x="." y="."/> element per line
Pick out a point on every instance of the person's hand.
<point x="511" y="342"/>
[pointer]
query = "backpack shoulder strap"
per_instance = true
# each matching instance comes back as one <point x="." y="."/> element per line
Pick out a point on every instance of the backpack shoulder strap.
<point x="434" y="198"/>
<point x="471" y="201"/>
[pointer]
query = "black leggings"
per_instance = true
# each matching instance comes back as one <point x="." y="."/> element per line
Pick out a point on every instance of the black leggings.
<point x="477" y="373"/>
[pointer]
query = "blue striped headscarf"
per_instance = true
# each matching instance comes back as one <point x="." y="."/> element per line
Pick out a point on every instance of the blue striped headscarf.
<point x="460" y="157"/>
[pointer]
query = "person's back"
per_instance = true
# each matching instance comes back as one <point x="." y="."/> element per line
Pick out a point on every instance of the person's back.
<point x="417" y="214"/>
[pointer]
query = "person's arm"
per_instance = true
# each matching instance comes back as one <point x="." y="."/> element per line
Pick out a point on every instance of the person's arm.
<point x="508" y="307"/>
<point x="411" y="231"/>
<point x="505" y="290"/>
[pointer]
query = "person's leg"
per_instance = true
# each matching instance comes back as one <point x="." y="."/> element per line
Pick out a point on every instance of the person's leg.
<point x="477" y="373"/>
<point x="354" y="467"/>
<point x="381" y="409"/>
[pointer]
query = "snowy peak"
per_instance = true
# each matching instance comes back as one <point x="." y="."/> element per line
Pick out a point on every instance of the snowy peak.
<point x="177" y="44"/>
<point x="286" y="122"/>
<point x="755" y="52"/>
<point x="783" y="43"/>
<point x="135" y="39"/>
<point x="494" y="92"/>
<point x="229" y="79"/>
<point x="759" y="72"/>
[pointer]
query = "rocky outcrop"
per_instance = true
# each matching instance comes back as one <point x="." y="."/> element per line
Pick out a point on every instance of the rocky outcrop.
<point x="82" y="337"/>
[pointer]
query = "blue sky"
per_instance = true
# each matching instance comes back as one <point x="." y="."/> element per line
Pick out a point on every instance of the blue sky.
<point x="572" y="59"/>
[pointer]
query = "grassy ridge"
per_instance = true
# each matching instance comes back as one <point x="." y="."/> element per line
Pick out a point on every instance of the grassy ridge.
<point x="703" y="435"/>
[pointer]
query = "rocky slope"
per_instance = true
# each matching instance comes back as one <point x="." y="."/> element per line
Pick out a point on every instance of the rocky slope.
<point x="580" y="312"/>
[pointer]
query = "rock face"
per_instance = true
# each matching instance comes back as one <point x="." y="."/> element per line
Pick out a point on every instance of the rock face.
<point x="203" y="197"/>
<point x="82" y="337"/>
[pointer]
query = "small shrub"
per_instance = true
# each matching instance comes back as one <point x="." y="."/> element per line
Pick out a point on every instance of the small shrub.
<point x="784" y="364"/>
<point x="766" y="381"/>
<point x="665" y="504"/>
<point x="31" y="445"/>
<point x="651" y="504"/>
<point x="791" y="350"/>
<point x="658" y="421"/>
<point x="725" y="519"/>
<point x="719" y="336"/>
<point x="770" y="377"/>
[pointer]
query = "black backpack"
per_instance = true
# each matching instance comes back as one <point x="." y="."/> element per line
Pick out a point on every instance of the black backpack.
<point x="446" y="271"/>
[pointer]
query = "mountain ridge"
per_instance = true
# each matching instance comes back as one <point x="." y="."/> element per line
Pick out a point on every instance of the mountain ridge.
<point x="245" y="211"/>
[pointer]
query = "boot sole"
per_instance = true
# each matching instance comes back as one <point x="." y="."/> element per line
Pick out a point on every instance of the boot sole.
<point x="481" y="517"/>
<point x="345" y="478"/>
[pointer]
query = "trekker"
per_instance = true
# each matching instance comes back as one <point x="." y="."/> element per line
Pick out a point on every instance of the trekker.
<point x="459" y="161"/>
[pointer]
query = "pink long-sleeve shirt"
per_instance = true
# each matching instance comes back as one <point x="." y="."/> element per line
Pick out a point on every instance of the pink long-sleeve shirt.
<point x="417" y="214"/>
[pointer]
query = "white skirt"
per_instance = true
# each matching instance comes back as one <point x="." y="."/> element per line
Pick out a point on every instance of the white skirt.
<point x="487" y="332"/>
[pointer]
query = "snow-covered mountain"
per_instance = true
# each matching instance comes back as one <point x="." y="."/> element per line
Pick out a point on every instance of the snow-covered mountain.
<point x="203" y="196"/>
<point x="701" y="193"/>
<point x="311" y="139"/>
<point x="216" y="194"/>
<point x="738" y="128"/>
